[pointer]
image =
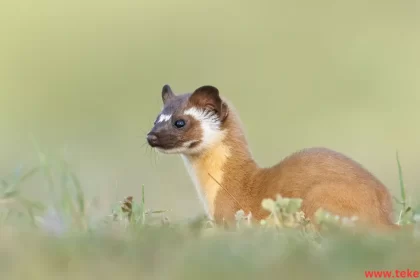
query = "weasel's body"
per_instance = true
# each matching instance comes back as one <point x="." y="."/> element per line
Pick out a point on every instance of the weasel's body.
<point x="208" y="134"/>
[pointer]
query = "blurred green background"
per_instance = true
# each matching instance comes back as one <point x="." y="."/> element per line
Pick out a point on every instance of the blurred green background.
<point x="85" y="77"/>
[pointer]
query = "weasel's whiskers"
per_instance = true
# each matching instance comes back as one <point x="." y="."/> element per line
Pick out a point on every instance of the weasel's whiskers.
<point x="156" y="156"/>
<point x="143" y="145"/>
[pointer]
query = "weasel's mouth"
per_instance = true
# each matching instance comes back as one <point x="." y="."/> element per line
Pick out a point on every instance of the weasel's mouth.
<point x="162" y="147"/>
<point x="170" y="146"/>
<point x="157" y="146"/>
<point x="165" y="149"/>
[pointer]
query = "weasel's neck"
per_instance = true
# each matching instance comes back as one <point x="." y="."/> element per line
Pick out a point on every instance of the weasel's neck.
<point x="209" y="170"/>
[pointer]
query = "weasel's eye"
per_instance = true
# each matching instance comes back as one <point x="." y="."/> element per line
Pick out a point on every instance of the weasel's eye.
<point x="180" y="123"/>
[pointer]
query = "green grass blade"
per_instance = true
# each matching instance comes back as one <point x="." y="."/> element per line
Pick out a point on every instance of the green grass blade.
<point x="22" y="178"/>
<point x="79" y="192"/>
<point x="401" y="180"/>
<point x="143" y="203"/>
<point x="42" y="157"/>
<point x="3" y="183"/>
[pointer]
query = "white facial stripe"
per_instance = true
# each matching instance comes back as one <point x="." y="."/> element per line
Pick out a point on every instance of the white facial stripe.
<point x="210" y="124"/>
<point x="164" y="118"/>
<point x="201" y="114"/>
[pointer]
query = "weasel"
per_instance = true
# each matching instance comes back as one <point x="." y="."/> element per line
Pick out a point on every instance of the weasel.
<point x="206" y="131"/>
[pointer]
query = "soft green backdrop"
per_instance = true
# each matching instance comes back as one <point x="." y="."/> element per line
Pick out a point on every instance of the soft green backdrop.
<point x="86" y="77"/>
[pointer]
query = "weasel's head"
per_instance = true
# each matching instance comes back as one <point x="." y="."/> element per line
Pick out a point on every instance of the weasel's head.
<point x="189" y="123"/>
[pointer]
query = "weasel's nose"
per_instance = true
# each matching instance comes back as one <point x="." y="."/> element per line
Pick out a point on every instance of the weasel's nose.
<point x="152" y="139"/>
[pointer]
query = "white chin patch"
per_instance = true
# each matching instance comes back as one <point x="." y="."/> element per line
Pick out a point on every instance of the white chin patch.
<point x="185" y="149"/>
<point x="210" y="124"/>
<point x="180" y="150"/>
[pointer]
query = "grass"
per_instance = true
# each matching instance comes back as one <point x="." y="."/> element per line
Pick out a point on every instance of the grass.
<point x="60" y="237"/>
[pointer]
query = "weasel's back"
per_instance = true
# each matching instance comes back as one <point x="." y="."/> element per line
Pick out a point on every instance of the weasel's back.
<point x="327" y="179"/>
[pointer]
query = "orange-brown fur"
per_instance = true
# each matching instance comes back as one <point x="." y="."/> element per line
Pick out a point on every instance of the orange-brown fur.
<point x="322" y="178"/>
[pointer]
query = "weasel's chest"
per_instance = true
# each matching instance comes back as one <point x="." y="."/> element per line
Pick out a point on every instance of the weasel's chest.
<point x="207" y="186"/>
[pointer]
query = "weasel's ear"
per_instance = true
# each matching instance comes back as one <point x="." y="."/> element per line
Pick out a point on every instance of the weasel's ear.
<point x="207" y="97"/>
<point x="167" y="93"/>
